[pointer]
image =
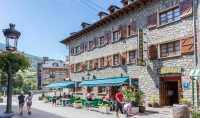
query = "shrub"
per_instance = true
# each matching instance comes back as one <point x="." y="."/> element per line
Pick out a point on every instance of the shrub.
<point x="185" y="101"/>
<point x="195" y="114"/>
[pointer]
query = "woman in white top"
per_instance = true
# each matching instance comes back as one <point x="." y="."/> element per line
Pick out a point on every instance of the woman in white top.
<point x="29" y="103"/>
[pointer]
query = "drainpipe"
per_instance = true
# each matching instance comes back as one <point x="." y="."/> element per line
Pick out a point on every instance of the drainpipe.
<point x="194" y="7"/>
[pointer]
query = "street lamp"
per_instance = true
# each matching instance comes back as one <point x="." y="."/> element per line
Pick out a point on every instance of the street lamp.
<point x="12" y="36"/>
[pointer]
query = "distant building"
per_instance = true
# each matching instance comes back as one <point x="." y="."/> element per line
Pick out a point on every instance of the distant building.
<point x="51" y="71"/>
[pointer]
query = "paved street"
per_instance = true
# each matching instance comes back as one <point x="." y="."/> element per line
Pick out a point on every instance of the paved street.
<point x="45" y="110"/>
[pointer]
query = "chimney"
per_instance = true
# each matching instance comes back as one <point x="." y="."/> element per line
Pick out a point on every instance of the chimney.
<point x="84" y="25"/>
<point x="124" y="2"/>
<point x="113" y="8"/>
<point x="102" y="14"/>
<point x="72" y="33"/>
<point x="127" y="2"/>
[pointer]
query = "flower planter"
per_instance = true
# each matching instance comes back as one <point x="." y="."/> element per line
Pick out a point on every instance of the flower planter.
<point x="1" y="100"/>
<point x="141" y="109"/>
<point x="77" y="105"/>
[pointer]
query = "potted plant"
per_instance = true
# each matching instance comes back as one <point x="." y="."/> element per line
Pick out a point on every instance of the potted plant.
<point x="185" y="101"/>
<point x="135" y="97"/>
<point x="77" y="104"/>
<point x="154" y="101"/>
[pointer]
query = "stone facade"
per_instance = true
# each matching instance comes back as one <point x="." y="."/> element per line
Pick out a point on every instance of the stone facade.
<point x="148" y="75"/>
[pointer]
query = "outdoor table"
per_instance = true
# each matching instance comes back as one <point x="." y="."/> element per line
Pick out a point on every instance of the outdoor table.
<point x="65" y="101"/>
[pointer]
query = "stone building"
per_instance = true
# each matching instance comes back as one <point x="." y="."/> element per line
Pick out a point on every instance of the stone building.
<point x="50" y="71"/>
<point x="150" y="41"/>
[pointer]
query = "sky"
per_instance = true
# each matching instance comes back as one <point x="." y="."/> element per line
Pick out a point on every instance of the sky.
<point x="44" y="23"/>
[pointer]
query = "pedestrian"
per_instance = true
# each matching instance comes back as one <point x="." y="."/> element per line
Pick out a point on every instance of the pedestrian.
<point x="29" y="103"/>
<point x="119" y="97"/>
<point x="21" y="102"/>
<point x="54" y="100"/>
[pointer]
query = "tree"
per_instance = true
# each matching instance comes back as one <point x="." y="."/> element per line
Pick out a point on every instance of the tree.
<point x="11" y="63"/>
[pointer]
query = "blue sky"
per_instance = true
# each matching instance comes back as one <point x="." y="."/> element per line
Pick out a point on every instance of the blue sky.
<point x="43" y="23"/>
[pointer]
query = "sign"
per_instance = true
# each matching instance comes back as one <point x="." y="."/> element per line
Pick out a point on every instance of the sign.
<point x="170" y="70"/>
<point x="140" y="60"/>
<point x="186" y="83"/>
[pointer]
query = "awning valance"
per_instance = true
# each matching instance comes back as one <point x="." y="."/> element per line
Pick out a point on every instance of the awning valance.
<point x="63" y="84"/>
<point x="114" y="81"/>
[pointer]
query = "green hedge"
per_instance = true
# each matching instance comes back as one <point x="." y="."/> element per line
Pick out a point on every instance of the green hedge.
<point x="195" y="114"/>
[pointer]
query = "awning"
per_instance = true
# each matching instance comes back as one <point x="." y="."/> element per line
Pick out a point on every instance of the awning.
<point x="115" y="81"/>
<point x="195" y="73"/>
<point x="63" y="84"/>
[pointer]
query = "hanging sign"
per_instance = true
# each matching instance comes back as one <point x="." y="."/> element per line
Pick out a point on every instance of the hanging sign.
<point x="140" y="60"/>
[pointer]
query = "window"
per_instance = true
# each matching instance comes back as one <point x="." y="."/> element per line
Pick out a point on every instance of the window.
<point x="116" y="60"/>
<point x="78" y="67"/>
<point x="170" y="49"/>
<point x="170" y="16"/>
<point x="78" y="49"/>
<point x="101" y="62"/>
<point x="132" y="56"/>
<point x="129" y="30"/>
<point x="101" y="41"/>
<point x="90" y="65"/>
<point x="55" y="64"/>
<point x="116" y="36"/>
<point x="91" y="45"/>
<point x="101" y="89"/>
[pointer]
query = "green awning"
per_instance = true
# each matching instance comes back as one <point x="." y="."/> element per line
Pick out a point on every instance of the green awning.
<point x="63" y="84"/>
<point x="114" y="81"/>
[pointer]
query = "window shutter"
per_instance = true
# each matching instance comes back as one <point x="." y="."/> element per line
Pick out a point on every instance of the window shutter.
<point x="123" y="31"/>
<point x="186" y="8"/>
<point x="108" y="37"/>
<point x="82" y="67"/>
<point x="82" y="47"/>
<point x="153" y="53"/>
<point x="187" y="45"/>
<point x="109" y="61"/>
<point x="72" y="68"/>
<point x="152" y="20"/>
<point x="133" y="28"/>
<point x="123" y="58"/>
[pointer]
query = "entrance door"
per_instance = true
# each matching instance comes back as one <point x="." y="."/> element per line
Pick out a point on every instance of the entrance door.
<point x="169" y="90"/>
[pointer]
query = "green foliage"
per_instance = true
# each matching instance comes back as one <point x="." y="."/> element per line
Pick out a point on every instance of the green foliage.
<point x="195" y="114"/>
<point x="154" y="99"/>
<point x="185" y="101"/>
<point x="13" y="62"/>
<point x="133" y="95"/>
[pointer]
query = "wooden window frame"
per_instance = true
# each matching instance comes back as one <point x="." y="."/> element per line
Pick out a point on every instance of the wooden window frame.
<point x="117" y="32"/>
<point x="167" y="49"/>
<point x="167" y="11"/>
<point x="129" y="57"/>
<point x="116" y="61"/>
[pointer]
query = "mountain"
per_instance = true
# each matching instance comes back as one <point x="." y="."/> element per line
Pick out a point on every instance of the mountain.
<point x="34" y="59"/>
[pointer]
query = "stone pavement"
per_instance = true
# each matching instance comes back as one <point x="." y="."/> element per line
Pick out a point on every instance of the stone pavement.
<point x="46" y="110"/>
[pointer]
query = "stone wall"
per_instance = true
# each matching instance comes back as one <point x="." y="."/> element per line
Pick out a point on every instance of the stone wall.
<point x="148" y="75"/>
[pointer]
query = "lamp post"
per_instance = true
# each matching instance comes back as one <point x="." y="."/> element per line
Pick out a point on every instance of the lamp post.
<point x="12" y="36"/>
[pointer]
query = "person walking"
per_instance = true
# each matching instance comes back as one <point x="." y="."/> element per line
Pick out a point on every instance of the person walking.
<point x="21" y="102"/>
<point x="119" y="97"/>
<point x="29" y="103"/>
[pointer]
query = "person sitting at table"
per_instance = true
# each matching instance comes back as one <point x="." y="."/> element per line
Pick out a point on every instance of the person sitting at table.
<point x="89" y="96"/>
<point x="64" y="95"/>
<point x="106" y="97"/>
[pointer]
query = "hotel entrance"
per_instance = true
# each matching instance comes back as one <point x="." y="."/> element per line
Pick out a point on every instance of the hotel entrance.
<point x="170" y="90"/>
